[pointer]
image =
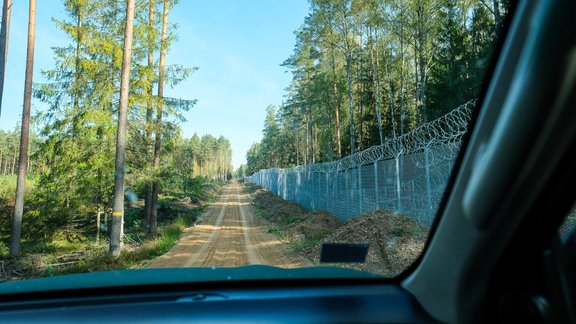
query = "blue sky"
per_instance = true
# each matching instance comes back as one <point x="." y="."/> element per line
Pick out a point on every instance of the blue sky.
<point x="237" y="45"/>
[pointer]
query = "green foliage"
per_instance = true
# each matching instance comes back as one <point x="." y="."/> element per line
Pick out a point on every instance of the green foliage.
<point x="466" y="44"/>
<point x="7" y="196"/>
<point x="170" y="236"/>
<point x="72" y="157"/>
<point x="361" y="68"/>
<point x="241" y="172"/>
<point x="9" y="152"/>
<point x="7" y="187"/>
<point x="59" y="254"/>
<point x="205" y="156"/>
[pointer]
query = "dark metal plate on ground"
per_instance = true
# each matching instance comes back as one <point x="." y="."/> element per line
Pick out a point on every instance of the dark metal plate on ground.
<point x="344" y="252"/>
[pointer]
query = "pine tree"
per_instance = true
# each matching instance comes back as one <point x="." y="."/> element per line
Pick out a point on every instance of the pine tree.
<point x="159" y="111"/>
<point x="392" y="65"/>
<point x="4" y="33"/>
<point x="118" y="207"/>
<point x="149" y="113"/>
<point x="24" y="134"/>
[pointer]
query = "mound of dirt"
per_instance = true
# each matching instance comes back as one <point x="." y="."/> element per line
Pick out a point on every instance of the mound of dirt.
<point x="313" y="226"/>
<point x="394" y="242"/>
<point x="275" y="209"/>
<point x="294" y="223"/>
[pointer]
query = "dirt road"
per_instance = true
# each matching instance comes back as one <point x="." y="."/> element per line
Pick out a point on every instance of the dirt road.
<point x="228" y="235"/>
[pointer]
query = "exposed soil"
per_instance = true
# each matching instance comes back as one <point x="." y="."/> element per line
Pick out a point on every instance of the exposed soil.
<point x="228" y="235"/>
<point x="292" y="221"/>
<point x="395" y="242"/>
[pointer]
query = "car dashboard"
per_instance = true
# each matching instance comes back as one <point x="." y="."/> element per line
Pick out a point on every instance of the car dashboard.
<point x="274" y="301"/>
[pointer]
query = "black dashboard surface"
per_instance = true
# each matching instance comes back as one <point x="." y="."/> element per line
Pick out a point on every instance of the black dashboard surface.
<point x="297" y="304"/>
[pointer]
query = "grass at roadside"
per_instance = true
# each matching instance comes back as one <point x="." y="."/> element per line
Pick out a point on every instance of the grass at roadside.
<point x="60" y="256"/>
<point x="92" y="256"/>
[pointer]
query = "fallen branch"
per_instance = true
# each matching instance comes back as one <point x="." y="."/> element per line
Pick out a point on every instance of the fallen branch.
<point x="58" y="264"/>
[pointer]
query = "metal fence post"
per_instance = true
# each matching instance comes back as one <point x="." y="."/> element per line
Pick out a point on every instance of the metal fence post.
<point x="398" y="193"/>
<point x="335" y="190"/>
<point x="428" y="184"/>
<point x="360" y="207"/>
<point x="312" y="193"/>
<point x="347" y="193"/>
<point x="376" y="193"/>
<point x="298" y="184"/>
<point x="278" y="183"/>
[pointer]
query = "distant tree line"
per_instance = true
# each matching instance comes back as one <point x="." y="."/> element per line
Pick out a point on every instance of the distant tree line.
<point x="9" y="149"/>
<point x="204" y="156"/>
<point x="367" y="70"/>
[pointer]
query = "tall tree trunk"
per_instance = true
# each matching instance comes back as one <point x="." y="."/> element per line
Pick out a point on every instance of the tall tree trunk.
<point x="360" y="90"/>
<point x="77" y="68"/>
<point x="350" y="101"/>
<point x="497" y="17"/>
<point x="420" y="62"/>
<point x="307" y="152"/>
<point x="157" y="143"/>
<point x="98" y="218"/>
<point x="316" y="150"/>
<point x="4" y="33"/>
<point x="391" y="95"/>
<point x="402" y="106"/>
<point x="296" y="135"/>
<point x="24" y="132"/>
<point x="149" y="126"/>
<point x="422" y="92"/>
<point x="359" y="94"/>
<point x="421" y="72"/>
<point x="336" y="107"/>
<point x="118" y="207"/>
<point x="13" y="167"/>
<point x="376" y="82"/>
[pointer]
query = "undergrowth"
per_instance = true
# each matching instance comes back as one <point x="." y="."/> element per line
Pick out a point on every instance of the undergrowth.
<point x="60" y="256"/>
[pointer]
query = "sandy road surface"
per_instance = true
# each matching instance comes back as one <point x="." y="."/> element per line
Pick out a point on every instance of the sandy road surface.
<point x="228" y="235"/>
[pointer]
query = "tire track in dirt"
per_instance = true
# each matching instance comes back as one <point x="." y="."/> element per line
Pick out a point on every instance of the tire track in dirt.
<point x="253" y="257"/>
<point x="229" y="236"/>
<point x="210" y="238"/>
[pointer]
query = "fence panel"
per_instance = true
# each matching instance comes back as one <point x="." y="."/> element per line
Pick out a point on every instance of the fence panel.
<point x="406" y="175"/>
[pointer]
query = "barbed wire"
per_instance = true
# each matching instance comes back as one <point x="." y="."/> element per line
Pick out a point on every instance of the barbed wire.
<point x="443" y="133"/>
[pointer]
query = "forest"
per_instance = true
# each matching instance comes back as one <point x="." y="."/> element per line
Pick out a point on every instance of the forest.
<point x="109" y="132"/>
<point x="364" y="71"/>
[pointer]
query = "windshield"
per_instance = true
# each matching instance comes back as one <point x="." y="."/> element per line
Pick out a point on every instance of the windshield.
<point x="217" y="134"/>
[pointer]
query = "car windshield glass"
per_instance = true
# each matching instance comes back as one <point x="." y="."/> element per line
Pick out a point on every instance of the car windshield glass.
<point x="315" y="134"/>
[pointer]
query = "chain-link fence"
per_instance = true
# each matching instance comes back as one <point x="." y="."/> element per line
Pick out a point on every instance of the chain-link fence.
<point x="406" y="175"/>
